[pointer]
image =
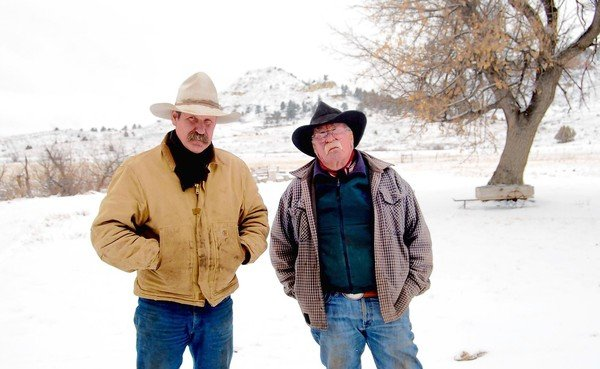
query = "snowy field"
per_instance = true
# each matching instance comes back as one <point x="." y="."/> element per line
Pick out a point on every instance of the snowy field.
<point x="518" y="281"/>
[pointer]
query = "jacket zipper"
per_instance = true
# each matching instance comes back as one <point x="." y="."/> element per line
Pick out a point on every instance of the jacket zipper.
<point x="196" y="267"/>
<point x="343" y="234"/>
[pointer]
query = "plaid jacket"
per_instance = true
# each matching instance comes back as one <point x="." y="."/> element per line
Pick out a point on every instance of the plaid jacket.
<point x="403" y="259"/>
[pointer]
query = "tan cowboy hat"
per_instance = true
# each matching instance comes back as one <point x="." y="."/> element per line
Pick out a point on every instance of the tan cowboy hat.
<point x="198" y="96"/>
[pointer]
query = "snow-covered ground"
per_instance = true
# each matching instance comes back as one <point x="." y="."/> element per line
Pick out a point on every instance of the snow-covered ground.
<point x="519" y="281"/>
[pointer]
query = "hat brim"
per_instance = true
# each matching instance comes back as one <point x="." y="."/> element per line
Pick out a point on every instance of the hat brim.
<point x="164" y="110"/>
<point x="356" y="120"/>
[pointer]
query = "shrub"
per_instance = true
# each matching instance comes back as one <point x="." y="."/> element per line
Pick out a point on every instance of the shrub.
<point x="565" y="134"/>
<point x="59" y="172"/>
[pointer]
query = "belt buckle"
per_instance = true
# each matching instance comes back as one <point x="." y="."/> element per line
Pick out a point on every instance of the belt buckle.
<point x="353" y="296"/>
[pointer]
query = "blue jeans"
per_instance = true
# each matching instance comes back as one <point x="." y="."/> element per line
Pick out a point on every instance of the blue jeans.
<point x="354" y="323"/>
<point x="165" y="329"/>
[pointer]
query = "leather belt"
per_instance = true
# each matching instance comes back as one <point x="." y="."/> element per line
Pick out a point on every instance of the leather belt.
<point x="358" y="296"/>
<point x="370" y="294"/>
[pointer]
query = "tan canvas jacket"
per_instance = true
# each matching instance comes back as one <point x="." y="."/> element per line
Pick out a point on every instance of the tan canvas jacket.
<point x="402" y="243"/>
<point x="184" y="245"/>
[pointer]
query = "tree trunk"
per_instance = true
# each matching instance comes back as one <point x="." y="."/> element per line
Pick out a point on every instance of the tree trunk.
<point x="27" y="179"/>
<point x="519" y="139"/>
<point x="521" y="129"/>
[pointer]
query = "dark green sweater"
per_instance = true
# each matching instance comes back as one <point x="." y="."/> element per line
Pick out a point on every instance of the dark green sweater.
<point x="345" y="230"/>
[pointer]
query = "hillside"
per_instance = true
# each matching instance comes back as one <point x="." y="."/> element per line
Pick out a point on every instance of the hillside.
<point x="259" y="94"/>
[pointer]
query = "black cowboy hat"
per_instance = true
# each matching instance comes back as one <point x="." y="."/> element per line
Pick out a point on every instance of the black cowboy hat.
<point x="356" y="120"/>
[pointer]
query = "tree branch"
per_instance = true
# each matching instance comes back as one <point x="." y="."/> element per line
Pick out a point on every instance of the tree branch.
<point x="584" y="41"/>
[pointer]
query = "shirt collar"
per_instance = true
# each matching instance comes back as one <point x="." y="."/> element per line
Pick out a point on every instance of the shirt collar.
<point x="359" y="167"/>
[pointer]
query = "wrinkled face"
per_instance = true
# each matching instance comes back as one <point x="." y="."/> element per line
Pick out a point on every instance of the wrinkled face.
<point x="194" y="131"/>
<point x="333" y="143"/>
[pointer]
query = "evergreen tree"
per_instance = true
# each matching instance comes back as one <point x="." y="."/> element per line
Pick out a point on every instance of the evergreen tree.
<point x="292" y="110"/>
<point x="305" y="107"/>
<point x="345" y="90"/>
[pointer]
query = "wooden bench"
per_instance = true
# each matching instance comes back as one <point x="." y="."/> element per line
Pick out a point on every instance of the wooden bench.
<point x="464" y="201"/>
<point x="500" y="193"/>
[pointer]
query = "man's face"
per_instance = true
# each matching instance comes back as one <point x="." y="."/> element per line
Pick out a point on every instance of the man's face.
<point x="194" y="131"/>
<point x="333" y="143"/>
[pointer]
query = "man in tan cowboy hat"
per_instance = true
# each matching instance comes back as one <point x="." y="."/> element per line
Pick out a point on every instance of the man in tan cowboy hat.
<point x="350" y="244"/>
<point x="184" y="216"/>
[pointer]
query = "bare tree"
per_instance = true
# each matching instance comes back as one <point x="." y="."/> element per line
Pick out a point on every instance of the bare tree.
<point x="15" y="180"/>
<point x="3" y="189"/>
<point x="460" y="61"/>
<point x="20" y="184"/>
<point x="27" y="178"/>
<point x="103" y="166"/>
<point x="60" y="174"/>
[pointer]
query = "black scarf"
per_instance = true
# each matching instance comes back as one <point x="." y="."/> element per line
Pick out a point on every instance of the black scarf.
<point x="191" y="168"/>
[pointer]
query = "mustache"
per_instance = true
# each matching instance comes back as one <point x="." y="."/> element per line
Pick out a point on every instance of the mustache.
<point x="195" y="136"/>
<point x="331" y="145"/>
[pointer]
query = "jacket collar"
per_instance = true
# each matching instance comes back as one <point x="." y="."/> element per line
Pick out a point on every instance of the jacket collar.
<point x="168" y="156"/>
<point x="354" y="167"/>
<point x="374" y="164"/>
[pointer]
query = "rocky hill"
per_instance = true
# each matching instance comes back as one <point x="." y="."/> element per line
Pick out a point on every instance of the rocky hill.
<point x="263" y="134"/>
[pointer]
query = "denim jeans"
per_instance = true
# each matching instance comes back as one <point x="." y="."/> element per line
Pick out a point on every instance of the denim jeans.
<point x="165" y="329"/>
<point x="354" y="323"/>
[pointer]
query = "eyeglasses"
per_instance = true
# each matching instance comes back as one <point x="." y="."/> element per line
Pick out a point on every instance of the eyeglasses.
<point x="336" y="132"/>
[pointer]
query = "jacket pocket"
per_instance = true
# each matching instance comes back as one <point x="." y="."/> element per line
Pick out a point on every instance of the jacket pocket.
<point x="229" y="255"/>
<point x="390" y="196"/>
<point x="299" y="220"/>
<point x="391" y="210"/>
<point x="174" y="275"/>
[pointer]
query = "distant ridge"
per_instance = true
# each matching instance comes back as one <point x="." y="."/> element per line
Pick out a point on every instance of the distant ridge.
<point x="263" y="96"/>
<point x="267" y="88"/>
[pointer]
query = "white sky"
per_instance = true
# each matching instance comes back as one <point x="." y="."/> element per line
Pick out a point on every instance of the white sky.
<point x="82" y="64"/>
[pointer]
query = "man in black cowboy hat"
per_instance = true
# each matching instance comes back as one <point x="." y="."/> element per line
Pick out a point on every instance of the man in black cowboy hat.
<point x="350" y="244"/>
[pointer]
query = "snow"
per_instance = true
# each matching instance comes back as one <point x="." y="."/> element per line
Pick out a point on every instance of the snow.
<point x="519" y="281"/>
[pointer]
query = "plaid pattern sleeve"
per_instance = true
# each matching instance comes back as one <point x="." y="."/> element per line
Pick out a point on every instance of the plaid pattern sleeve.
<point x="284" y="249"/>
<point x="403" y="257"/>
<point x="293" y="249"/>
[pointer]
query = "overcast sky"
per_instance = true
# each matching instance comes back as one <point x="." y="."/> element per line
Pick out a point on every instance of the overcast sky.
<point x="82" y="64"/>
